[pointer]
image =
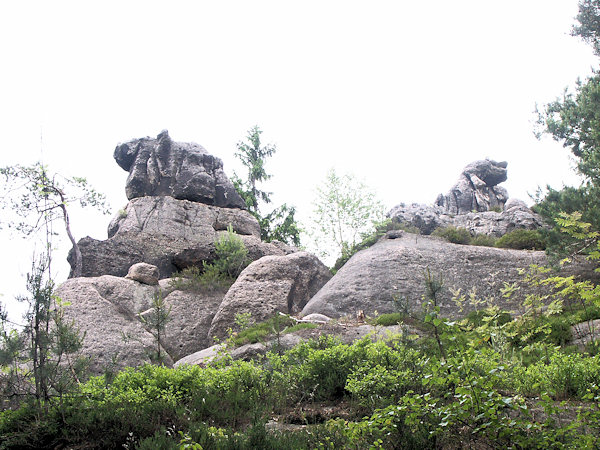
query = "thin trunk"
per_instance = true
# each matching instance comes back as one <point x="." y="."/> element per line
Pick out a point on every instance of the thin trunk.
<point x="77" y="266"/>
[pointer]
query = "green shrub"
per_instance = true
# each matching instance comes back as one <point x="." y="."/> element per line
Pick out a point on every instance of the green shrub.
<point x="232" y="255"/>
<point x="522" y="240"/>
<point x="195" y="280"/>
<point x="390" y="319"/>
<point x="564" y="376"/>
<point x="260" y="332"/>
<point x="483" y="240"/>
<point x="476" y="318"/>
<point x="456" y="235"/>
<point x="231" y="259"/>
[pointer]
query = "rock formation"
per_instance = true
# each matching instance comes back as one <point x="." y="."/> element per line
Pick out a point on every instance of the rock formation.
<point x="395" y="268"/>
<point x="108" y="310"/>
<point x="271" y="284"/>
<point x="185" y="171"/>
<point x="180" y="203"/>
<point x="477" y="188"/>
<point x="171" y="227"/>
<point x="469" y="205"/>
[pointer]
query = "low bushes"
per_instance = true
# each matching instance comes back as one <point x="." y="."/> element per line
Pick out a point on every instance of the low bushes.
<point x="522" y="240"/>
<point x="518" y="239"/>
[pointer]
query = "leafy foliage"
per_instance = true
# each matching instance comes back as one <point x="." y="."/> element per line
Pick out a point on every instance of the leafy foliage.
<point x="456" y="235"/>
<point x="231" y="259"/>
<point x="280" y="223"/>
<point x="345" y="210"/>
<point x="520" y="239"/>
<point x="38" y="197"/>
<point x="232" y="254"/>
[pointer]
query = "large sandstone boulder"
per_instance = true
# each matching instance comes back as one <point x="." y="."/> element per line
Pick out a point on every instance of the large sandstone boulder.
<point x="170" y="234"/>
<point x="271" y="284"/>
<point x="186" y="171"/>
<point x="108" y="309"/>
<point x="476" y="188"/>
<point x="395" y="268"/>
<point x="105" y="309"/>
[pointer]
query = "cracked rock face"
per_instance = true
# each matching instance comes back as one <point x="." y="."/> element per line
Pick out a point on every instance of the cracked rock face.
<point x="469" y="205"/>
<point x="394" y="270"/>
<point x="477" y="189"/>
<point x="185" y="171"/>
<point x="108" y="310"/>
<point x="271" y="284"/>
<point x="170" y="234"/>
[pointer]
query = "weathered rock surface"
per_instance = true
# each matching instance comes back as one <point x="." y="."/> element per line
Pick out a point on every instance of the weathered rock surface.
<point x="186" y="171"/>
<point x="273" y="283"/>
<point x="170" y="234"/>
<point x="426" y="219"/>
<point x="583" y="333"/>
<point x="107" y="308"/>
<point x="143" y="273"/>
<point x="476" y="188"/>
<point x="468" y="205"/>
<point x="190" y="319"/>
<point x="372" y="278"/>
<point x="104" y="309"/>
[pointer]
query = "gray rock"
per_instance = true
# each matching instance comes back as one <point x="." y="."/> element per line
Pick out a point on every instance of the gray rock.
<point x="186" y="171"/>
<point x="100" y="308"/>
<point x="476" y="189"/>
<point x="273" y="283"/>
<point x="201" y="357"/>
<point x="584" y="332"/>
<point x="170" y="234"/>
<point x="316" y="318"/>
<point x="190" y="319"/>
<point x="394" y="269"/>
<point x="249" y="351"/>
<point x="143" y="273"/>
<point x="108" y="308"/>
<point x="427" y="218"/>
<point x="181" y="219"/>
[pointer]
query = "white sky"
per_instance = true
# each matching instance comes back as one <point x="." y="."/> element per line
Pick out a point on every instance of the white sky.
<point x="401" y="93"/>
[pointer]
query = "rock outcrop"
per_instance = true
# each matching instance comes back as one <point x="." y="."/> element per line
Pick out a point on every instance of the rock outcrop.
<point x="476" y="189"/>
<point x="395" y="268"/>
<point x="109" y="310"/>
<point x="271" y="284"/>
<point x="171" y="234"/>
<point x="185" y="171"/>
<point x="105" y="309"/>
<point x="475" y="202"/>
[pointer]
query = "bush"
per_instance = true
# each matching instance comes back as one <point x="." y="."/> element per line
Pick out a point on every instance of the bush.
<point x="476" y="318"/>
<point x="231" y="259"/>
<point x="390" y="319"/>
<point x="483" y="240"/>
<point x="261" y="331"/>
<point x="522" y="240"/>
<point x="564" y="376"/>
<point x="193" y="279"/>
<point x="456" y="235"/>
<point x="232" y="255"/>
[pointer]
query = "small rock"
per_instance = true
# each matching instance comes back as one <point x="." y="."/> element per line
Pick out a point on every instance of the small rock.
<point x="144" y="273"/>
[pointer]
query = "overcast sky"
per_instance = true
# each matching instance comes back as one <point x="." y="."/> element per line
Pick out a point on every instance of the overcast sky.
<point x="403" y="94"/>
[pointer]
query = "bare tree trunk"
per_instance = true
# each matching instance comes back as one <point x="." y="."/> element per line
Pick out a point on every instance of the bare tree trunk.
<point x="77" y="258"/>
